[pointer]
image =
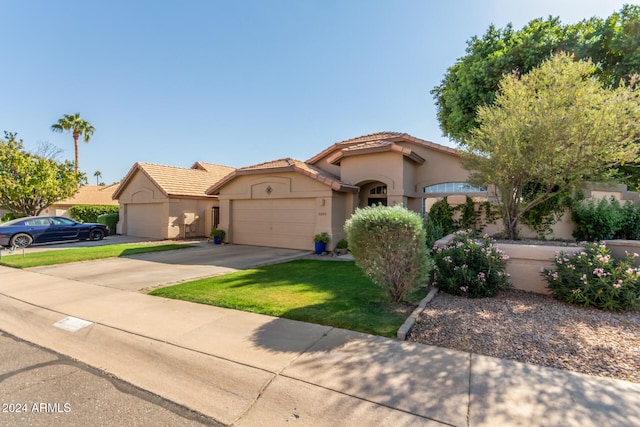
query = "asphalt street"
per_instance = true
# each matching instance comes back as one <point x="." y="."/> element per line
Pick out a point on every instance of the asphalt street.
<point x="39" y="387"/>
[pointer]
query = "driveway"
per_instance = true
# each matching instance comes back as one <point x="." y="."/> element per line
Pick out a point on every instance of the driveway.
<point x="152" y="270"/>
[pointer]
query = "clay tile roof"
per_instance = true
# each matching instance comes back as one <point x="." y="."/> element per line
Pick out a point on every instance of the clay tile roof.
<point x="92" y="195"/>
<point x="287" y="165"/>
<point x="280" y="163"/>
<point x="372" y="137"/>
<point x="376" y="146"/>
<point x="379" y="138"/>
<point x="176" y="181"/>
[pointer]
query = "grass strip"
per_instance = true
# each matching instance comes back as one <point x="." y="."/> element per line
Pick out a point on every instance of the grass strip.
<point x="63" y="256"/>
<point x="332" y="293"/>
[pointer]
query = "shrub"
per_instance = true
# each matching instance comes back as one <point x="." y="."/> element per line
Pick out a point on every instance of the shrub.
<point x="7" y="217"/>
<point x="630" y="223"/>
<point x="470" y="267"/>
<point x="470" y="215"/>
<point x="605" y="219"/>
<point x="388" y="244"/>
<point x="593" y="278"/>
<point x="596" y="219"/>
<point x="90" y="213"/>
<point x="342" y="244"/>
<point x="433" y="232"/>
<point x="441" y="213"/>
<point x="322" y="237"/>
<point x="110" y="220"/>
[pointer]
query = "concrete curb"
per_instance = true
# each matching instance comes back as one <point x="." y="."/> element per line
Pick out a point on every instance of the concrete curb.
<point x="404" y="329"/>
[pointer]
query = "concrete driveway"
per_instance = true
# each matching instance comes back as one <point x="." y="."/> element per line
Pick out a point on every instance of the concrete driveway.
<point x="152" y="270"/>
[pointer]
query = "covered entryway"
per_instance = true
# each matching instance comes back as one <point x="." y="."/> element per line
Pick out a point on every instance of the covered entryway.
<point x="283" y="223"/>
<point x="373" y="193"/>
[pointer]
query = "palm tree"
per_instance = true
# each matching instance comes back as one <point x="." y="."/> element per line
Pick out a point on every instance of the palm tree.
<point x="98" y="175"/>
<point x="74" y="124"/>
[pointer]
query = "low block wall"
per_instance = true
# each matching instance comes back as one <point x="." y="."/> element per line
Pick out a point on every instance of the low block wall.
<point x="525" y="262"/>
<point x="619" y="248"/>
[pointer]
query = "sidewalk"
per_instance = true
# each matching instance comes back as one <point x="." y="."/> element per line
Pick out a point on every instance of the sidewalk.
<point x="251" y="370"/>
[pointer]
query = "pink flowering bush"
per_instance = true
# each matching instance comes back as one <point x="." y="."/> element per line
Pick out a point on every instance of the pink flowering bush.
<point x="470" y="267"/>
<point x="593" y="278"/>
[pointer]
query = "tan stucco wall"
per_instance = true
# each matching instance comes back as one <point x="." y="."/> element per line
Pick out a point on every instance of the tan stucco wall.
<point x="374" y="169"/>
<point x="405" y="179"/>
<point x="561" y="230"/>
<point x="190" y="217"/>
<point x="438" y="168"/>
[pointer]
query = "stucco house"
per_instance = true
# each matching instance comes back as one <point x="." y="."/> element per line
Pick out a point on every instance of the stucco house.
<point x="86" y="195"/>
<point x="285" y="202"/>
<point x="167" y="202"/>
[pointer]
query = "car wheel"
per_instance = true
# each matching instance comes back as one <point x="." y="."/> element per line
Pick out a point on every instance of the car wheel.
<point x="21" y="240"/>
<point x="96" y="234"/>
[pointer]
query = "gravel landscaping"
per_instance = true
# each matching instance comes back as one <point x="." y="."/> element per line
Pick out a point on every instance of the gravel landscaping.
<point x="536" y="329"/>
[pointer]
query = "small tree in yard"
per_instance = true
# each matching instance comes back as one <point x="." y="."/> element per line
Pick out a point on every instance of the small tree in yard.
<point x="549" y="130"/>
<point x="388" y="244"/>
<point x="28" y="182"/>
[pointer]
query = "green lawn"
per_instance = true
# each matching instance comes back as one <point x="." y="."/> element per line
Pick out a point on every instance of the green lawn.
<point x="333" y="293"/>
<point x="63" y="256"/>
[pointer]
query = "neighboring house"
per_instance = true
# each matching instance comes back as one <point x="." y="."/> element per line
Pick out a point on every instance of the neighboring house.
<point x="86" y="195"/>
<point x="166" y="202"/>
<point x="284" y="203"/>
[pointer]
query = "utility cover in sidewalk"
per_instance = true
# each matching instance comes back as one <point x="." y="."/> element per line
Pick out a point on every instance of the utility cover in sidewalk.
<point x="72" y="324"/>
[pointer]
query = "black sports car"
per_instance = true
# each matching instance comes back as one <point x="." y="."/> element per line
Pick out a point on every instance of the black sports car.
<point x="22" y="232"/>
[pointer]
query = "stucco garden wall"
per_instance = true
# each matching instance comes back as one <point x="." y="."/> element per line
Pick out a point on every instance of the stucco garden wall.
<point x="526" y="262"/>
<point x="619" y="248"/>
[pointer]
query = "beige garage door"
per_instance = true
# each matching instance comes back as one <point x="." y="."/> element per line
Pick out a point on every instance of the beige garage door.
<point x="146" y="220"/>
<point x="281" y="223"/>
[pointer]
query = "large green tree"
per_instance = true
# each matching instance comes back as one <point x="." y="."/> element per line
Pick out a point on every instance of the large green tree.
<point x="549" y="130"/>
<point x="613" y="44"/>
<point x="30" y="183"/>
<point x="78" y="127"/>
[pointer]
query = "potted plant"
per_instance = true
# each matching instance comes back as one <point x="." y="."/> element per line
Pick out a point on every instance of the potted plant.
<point x="321" y="241"/>
<point x="217" y="235"/>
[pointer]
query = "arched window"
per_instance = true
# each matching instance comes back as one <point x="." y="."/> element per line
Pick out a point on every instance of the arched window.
<point x="454" y="187"/>
<point x="379" y="190"/>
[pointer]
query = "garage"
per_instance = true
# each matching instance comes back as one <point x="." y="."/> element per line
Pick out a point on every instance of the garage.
<point x="285" y="223"/>
<point x="142" y="220"/>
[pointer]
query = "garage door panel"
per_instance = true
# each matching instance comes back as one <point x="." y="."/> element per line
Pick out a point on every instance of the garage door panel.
<point x="287" y="223"/>
<point x="145" y="220"/>
<point x="291" y="215"/>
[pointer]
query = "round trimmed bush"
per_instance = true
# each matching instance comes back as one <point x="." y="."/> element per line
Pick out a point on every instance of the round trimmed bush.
<point x="388" y="244"/>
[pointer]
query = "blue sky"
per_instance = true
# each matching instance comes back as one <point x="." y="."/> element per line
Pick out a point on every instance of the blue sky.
<point x="237" y="82"/>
